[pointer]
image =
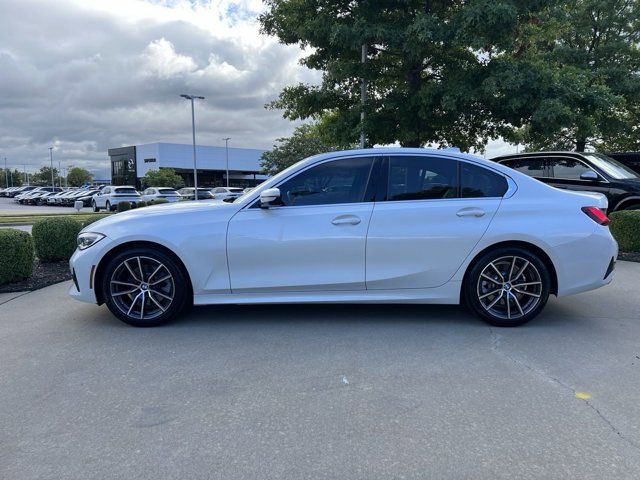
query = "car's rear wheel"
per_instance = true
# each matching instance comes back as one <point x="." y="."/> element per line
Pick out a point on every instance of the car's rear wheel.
<point x="108" y="206"/>
<point x="507" y="287"/>
<point x="144" y="287"/>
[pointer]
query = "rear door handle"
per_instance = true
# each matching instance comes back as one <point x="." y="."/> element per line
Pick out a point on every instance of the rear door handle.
<point x="470" y="212"/>
<point x="346" y="220"/>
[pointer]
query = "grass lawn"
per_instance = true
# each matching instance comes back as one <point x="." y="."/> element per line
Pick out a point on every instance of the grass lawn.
<point x="33" y="218"/>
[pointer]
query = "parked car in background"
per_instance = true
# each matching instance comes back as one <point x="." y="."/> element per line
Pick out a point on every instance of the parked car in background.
<point x="155" y="193"/>
<point x="12" y="192"/>
<point x="86" y="197"/>
<point x="414" y="226"/>
<point x="581" y="171"/>
<point x="31" y="196"/>
<point x="187" y="193"/>
<point x="109" y="197"/>
<point x="226" y="193"/>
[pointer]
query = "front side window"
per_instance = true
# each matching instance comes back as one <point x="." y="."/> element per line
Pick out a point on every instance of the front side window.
<point x="566" y="168"/>
<point x="478" y="182"/>
<point x="338" y="181"/>
<point x="421" y="178"/>
<point x="534" y="167"/>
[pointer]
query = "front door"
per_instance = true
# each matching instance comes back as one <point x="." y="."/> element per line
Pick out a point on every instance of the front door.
<point x="564" y="172"/>
<point x="315" y="240"/>
<point x="436" y="210"/>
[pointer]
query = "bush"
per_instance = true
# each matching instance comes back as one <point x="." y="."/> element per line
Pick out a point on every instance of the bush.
<point x="142" y="203"/>
<point x="123" y="206"/>
<point x="158" y="201"/>
<point x="55" y="238"/>
<point x="16" y="255"/>
<point x="625" y="228"/>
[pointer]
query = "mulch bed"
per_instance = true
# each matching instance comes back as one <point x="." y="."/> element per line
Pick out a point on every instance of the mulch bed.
<point x="629" y="257"/>
<point x="44" y="274"/>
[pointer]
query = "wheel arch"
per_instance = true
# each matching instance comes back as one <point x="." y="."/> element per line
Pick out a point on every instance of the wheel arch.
<point x="630" y="200"/>
<point x="139" y="243"/>
<point x="521" y="244"/>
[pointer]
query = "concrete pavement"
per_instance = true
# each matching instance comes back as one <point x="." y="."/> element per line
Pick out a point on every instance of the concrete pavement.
<point x="313" y="392"/>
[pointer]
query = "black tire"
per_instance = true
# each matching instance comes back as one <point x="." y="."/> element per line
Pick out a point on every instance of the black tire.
<point x="483" y="280"/>
<point x="176" y="287"/>
<point x="108" y="206"/>
<point x="94" y="207"/>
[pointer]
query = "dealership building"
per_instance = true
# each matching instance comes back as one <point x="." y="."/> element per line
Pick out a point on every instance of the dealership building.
<point x="130" y="164"/>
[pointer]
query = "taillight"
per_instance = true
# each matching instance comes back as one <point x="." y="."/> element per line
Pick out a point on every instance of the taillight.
<point x="597" y="215"/>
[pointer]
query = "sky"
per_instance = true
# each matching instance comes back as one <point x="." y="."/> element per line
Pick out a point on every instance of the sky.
<point x="84" y="76"/>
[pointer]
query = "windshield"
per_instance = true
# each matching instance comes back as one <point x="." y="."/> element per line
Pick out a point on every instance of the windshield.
<point x="611" y="167"/>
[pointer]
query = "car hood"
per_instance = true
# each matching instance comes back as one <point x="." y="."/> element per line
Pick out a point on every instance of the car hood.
<point x="161" y="212"/>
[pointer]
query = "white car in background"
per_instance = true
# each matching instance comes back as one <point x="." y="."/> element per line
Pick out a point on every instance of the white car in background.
<point x="109" y="197"/>
<point x="226" y="193"/>
<point x="388" y="225"/>
<point x="155" y="193"/>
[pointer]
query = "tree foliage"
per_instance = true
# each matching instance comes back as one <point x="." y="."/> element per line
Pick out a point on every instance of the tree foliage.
<point x="43" y="176"/>
<point x="164" y="177"/>
<point x="12" y="178"/>
<point x="78" y="176"/>
<point x="546" y="73"/>
<point x="307" y="140"/>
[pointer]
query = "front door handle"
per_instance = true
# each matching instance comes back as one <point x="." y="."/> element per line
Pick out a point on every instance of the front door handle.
<point x="470" y="212"/>
<point x="346" y="220"/>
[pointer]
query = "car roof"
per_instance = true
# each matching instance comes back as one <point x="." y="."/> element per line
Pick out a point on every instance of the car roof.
<point x="539" y="154"/>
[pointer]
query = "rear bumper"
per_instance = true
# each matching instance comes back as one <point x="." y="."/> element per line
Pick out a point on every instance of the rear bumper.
<point x="587" y="264"/>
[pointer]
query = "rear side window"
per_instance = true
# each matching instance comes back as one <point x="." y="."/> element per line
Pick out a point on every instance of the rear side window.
<point x="534" y="167"/>
<point x="167" y="191"/>
<point x="421" y="178"/>
<point x="478" y="182"/>
<point x="126" y="190"/>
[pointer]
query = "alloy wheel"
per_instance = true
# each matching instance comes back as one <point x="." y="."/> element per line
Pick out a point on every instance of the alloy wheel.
<point x="509" y="287"/>
<point x="142" y="287"/>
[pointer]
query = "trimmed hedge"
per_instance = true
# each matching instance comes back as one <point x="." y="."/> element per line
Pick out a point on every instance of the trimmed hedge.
<point x="16" y="255"/>
<point x="158" y="201"/>
<point x="89" y="219"/>
<point x="625" y="228"/>
<point x="142" y="203"/>
<point x="55" y="238"/>
<point x="123" y="206"/>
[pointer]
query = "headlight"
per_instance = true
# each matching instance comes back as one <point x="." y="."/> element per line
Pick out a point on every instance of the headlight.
<point x="86" y="239"/>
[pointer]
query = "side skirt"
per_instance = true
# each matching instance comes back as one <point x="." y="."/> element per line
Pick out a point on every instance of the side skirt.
<point x="448" y="293"/>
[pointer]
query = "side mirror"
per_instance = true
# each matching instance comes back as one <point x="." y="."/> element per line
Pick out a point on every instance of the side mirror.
<point x="589" y="175"/>
<point x="269" y="196"/>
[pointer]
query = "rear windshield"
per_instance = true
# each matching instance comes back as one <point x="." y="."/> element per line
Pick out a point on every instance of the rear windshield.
<point x="235" y="190"/>
<point x="130" y="190"/>
<point x="167" y="191"/>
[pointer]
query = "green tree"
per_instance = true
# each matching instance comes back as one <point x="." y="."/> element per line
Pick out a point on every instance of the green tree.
<point x="78" y="176"/>
<point x="577" y="86"/>
<point x="164" y="177"/>
<point x="308" y="139"/>
<point x="14" y="178"/>
<point x="43" y="176"/>
<point x="427" y="65"/>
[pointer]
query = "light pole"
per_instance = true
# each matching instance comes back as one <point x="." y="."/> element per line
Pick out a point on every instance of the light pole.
<point x="53" y="183"/>
<point x="193" y="130"/>
<point x="6" y="173"/>
<point x="60" y="172"/>
<point x="226" y="149"/>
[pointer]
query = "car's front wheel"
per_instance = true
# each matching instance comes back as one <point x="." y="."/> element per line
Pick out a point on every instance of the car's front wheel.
<point x="144" y="287"/>
<point x="507" y="287"/>
<point x="94" y="206"/>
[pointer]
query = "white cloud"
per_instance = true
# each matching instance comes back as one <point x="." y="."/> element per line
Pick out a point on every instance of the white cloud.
<point x="160" y="59"/>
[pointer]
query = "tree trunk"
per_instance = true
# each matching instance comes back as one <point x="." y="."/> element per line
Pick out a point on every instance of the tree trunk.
<point x="580" y="145"/>
<point x="411" y="144"/>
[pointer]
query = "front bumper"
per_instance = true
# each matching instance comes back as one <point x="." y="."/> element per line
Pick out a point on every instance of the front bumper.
<point x="83" y="264"/>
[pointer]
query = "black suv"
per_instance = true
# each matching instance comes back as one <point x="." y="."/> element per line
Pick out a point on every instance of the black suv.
<point x="581" y="171"/>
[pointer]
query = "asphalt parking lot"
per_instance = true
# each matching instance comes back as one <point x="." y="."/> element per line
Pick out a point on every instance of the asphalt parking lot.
<point x="309" y="392"/>
<point x="8" y="206"/>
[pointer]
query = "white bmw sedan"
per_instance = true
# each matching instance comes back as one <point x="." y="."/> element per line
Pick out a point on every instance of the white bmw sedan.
<point x="369" y="226"/>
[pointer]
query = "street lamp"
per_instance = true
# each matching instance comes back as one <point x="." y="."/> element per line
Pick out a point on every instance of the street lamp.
<point x="53" y="183"/>
<point x="6" y="173"/>
<point x="193" y="130"/>
<point x="226" y="148"/>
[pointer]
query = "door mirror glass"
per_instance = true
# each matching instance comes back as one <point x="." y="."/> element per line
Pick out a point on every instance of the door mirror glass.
<point x="269" y="197"/>
<point x="589" y="175"/>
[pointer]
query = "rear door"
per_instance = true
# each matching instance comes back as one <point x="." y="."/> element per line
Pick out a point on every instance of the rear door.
<point x="435" y="211"/>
